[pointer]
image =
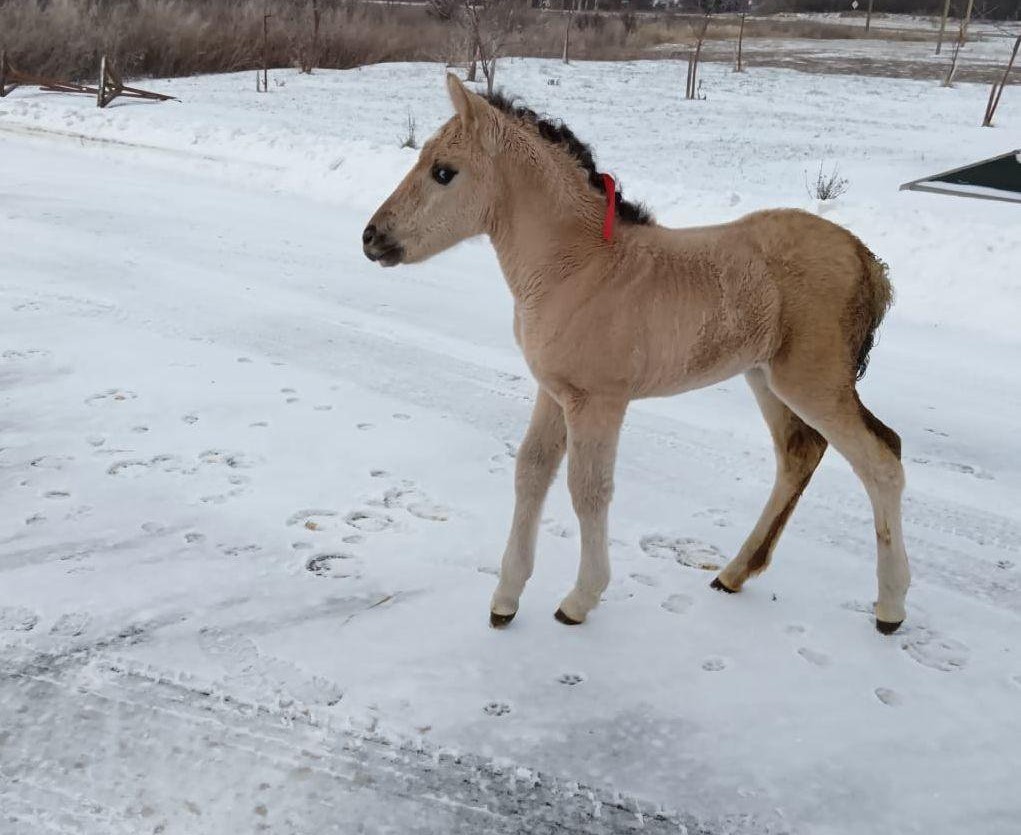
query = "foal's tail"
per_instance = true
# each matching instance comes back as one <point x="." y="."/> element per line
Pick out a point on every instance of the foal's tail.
<point x="877" y="296"/>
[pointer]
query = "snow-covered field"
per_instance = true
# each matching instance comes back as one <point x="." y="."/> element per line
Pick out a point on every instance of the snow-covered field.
<point x="255" y="489"/>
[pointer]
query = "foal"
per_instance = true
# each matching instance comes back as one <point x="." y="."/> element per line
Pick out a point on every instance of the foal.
<point x="606" y="315"/>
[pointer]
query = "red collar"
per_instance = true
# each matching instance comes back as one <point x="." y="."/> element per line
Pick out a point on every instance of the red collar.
<point x="610" y="187"/>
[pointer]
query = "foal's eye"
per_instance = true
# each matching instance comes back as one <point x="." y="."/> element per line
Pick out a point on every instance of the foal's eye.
<point x="443" y="174"/>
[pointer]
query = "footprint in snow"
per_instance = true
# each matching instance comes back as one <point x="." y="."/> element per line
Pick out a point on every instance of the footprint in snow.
<point x="401" y="416"/>
<point x="71" y="624"/>
<point x="888" y="697"/>
<point x="677" y="603"/>
<point x="364" y="427"/>
<point x="555" y="528"/>
<point x="56" y="494"/>
<point x="368" y="521"/>
<point x="378" y="473"/>
<point x="333" y="565"/>
<point x="686" y="551"/>
<point x="413" y="500"/>
<point x="313" y="520"/>
<point x="324" y="407"/>
<point x="714" y="664"/>
<point x="645" y="579"/>
<point x="51" y="462"/>
<point x="496" y="709"/>
<point x="110" y="396"/>
<point x="193" y="537"/>
<point x="17" y="619"/>
<point x="95" y="440"/>
<point x="190" y="419"/>
<point x="819" y="659"/>
<point x="139" y="430"/>
<point x="570" y="679"/>
<point x="935" y="651"/>
<point x="238" y="550"/>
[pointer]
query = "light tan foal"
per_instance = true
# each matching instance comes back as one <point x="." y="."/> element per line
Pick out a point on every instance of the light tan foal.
<point x="786" y="298"/>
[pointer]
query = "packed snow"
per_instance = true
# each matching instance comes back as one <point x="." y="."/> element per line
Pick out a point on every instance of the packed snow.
<point x="255" y="489"/>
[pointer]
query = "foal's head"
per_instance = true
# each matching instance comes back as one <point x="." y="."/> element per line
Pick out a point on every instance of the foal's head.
<point x="448" y="195"/>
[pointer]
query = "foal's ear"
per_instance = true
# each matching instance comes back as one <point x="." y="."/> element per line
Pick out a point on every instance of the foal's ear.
<point x="459" y="96"/>
<point x="477" y="115"/>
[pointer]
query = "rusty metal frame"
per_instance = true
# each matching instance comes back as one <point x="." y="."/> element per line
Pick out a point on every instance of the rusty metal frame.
<point x="110" y="84"/>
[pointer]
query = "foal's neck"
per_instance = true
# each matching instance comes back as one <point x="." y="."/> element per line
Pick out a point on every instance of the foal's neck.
<point x="546" y="224"/>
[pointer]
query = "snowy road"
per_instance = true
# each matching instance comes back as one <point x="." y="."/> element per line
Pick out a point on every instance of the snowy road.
<point x="254" y="490"/>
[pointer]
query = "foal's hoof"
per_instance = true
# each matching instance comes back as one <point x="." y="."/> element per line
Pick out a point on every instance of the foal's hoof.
<point x="717" y="584"/>
<point x="560" y="616"/>
<point x="888" y="627"/>
<point x="500" y="621"/>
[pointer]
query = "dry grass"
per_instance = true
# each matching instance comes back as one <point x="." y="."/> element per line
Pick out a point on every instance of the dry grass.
<point x="65" y="38"/>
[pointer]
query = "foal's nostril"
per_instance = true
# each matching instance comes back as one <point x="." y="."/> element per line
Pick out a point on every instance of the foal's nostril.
<point x="368" y="234"/>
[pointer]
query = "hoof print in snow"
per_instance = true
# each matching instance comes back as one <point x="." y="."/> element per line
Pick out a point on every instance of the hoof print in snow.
<point x="934" y="651"/>
<point x="364" y="427"/>
<point x="233" y="460"/>
<point x="888" y="696"/>
<point x="677" y="603"/>
<point x="17" y="619"/>
<point x="71" y="624"/>
<point x="313" y="520"/>
<point x="570" y="679"/>
<point x="366" y="520"/>
<point x="110" y="396"/>
<point x="496" y="709"/>
<point x="645" y="580"/>
<point x="238" y="550"/>
<point x="401" y="416"/>
<point x="56" y="494"/>
<point x="332" y="565"/>
<point x="190" y="419"/>
<point x="714" y="664"/>
<point x="378" y="473"/>
<point x="819" y="659"/>
<point x="685" y="551"/>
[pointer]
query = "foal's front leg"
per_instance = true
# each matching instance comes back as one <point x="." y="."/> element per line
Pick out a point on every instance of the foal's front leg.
<point x="593" y="429"/>
<point x="537" y="462"/>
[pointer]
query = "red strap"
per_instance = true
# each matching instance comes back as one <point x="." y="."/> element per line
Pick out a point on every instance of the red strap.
<point x="611" y="206"/>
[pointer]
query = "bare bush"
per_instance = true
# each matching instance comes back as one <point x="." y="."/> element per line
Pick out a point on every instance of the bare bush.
<point x="827" y="186"/>
<point x="410" y="139"/>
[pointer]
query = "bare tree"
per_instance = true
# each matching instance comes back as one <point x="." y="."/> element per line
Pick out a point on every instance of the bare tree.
<point x="310" y="58"/>
<point x="740" y="43"/>
<point x="868" y="17"/>
<point x="489" y="29"/>
<point x="942" y="26"/>
<point x="691" y="88"/>
<point x="997" y="90"/>
<point x="570" y="6"/>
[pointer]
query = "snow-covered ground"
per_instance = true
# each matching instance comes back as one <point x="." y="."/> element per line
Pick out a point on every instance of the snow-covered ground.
<point x="255" y="489"/>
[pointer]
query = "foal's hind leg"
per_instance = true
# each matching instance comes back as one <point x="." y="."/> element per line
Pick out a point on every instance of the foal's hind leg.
<point x="873" y="450"/>
<point x="798" y="448"/>
<point x="537" y="462"/>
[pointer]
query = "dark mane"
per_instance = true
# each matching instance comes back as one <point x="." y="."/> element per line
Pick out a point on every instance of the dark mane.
<point x="557" y="133"/>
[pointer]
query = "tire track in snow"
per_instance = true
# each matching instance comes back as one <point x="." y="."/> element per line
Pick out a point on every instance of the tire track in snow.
<point x="295" y="767"/>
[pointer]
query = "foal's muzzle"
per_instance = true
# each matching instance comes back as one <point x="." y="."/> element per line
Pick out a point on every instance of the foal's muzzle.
<point x="379" y="246"/>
